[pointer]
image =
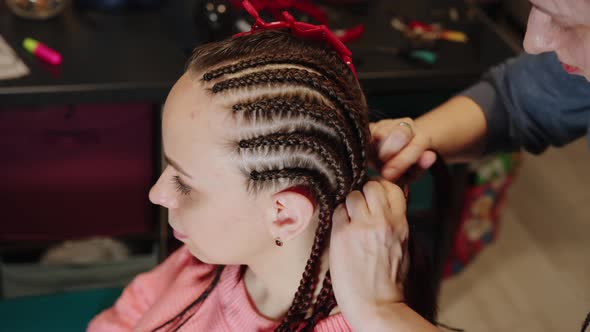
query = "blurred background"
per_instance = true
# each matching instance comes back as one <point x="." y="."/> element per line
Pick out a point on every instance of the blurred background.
<point x="80" y="142"/>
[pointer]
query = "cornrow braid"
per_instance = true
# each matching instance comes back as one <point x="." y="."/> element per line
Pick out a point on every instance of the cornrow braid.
<point x="324" y="303"/>
<point x="311" y="80"/>
<point x="288" y="59"/>
<point x="586" y="323"/>
<point x="297" y="106"/>
<point x="304" y="294"/>
<point x="299" y="139"/>
<point x="273" y="43"/>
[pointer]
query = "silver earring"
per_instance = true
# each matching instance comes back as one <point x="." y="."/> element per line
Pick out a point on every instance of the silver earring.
<point x="278" y="242"/>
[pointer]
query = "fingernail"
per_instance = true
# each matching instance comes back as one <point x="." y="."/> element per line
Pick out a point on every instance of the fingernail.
<point x="395" y="142"/>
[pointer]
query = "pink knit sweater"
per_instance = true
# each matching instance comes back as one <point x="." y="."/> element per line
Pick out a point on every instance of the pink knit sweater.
<point x="156" y="296"/>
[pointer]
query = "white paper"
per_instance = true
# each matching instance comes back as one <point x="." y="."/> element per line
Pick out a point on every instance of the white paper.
<point x="11" y="66"/>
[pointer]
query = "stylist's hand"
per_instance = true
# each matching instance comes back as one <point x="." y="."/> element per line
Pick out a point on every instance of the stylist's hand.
<point x="367" y="249"/>
<point x="400" y="146"/>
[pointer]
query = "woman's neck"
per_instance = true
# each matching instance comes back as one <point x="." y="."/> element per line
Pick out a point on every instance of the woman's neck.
<point x="273" y="283"/>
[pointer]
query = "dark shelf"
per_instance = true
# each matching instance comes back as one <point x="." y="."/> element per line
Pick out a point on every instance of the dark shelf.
<point x="137" y="56"/>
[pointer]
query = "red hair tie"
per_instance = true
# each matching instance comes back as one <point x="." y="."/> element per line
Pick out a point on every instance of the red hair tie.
<point x="299" y="29"/>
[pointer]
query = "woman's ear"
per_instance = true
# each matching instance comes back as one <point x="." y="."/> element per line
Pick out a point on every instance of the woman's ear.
<point x="293" y="211"/>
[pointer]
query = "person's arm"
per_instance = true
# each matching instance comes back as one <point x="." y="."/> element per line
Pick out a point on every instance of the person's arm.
<point x="527" y="103"/>
<point x="456" y="129"/>
<point x="531" y="103"/>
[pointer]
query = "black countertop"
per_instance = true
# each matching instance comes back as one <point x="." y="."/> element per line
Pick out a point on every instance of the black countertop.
<point x="114" y="58"/>
<point x="137" y="56"/>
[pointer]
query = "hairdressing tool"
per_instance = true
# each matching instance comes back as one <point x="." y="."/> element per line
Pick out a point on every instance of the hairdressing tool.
<point x="42" y="52"/>
<point x="454" y="36"/>
<point x="418" y="30"/>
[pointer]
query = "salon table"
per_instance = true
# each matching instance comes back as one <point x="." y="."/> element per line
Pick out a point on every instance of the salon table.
<point x="137" y="56"/>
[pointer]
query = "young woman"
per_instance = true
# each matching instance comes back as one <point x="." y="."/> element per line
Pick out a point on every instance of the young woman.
<point x="264" y="135"/>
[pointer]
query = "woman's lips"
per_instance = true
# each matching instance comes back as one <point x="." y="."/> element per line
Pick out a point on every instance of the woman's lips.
<point x="179" y="236"/>
<point x="570" y="69"/>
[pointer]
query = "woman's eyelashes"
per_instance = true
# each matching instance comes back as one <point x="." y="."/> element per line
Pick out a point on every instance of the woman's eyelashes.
<point x="181" y="187"/>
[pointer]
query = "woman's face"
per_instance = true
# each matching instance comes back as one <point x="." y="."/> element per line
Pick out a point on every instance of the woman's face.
<point x="209" y="207"/>
<point x="562" y="26"/>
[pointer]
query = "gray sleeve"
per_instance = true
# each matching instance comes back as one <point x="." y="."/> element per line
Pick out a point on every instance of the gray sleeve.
<point x="531" y="103"/>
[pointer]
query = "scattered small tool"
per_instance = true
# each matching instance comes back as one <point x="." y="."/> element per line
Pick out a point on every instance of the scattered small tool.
<point x="415" y="29"/>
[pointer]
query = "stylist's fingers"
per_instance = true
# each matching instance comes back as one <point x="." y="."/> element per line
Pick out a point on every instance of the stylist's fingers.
<point x="391" y="136"/>
<point x="340" y="218"/>
<point x="416" y="171"/>
<point x="356" y="206"/>
<point x="375" y="197"/>
<point x="397" y="205"/>
<point x="399" y="164"/>
<point x="395" y="197"/>
<point x="398" y="208"/>
<point x="426" y="160"/>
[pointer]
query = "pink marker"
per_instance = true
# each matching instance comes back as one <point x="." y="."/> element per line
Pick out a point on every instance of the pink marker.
<point x="41" y="51"/>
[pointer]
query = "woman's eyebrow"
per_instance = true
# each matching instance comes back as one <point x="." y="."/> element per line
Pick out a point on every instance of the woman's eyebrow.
<point x="176" y="166"/>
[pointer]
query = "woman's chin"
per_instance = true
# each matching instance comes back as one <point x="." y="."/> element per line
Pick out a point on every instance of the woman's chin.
<point x="198" y="255"/>
<point x="203" y="258"/>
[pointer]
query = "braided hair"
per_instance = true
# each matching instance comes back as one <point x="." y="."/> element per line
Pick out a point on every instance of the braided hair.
<point x="303" y="122"/>
<point x="318" y="139"/>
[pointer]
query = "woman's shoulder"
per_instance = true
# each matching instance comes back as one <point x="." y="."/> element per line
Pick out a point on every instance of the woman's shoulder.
<point x="152" y="296"/>
<point x="177" y="273"/>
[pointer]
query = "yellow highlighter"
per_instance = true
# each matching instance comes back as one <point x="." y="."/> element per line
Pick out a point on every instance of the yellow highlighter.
<point x="454" y="36"/>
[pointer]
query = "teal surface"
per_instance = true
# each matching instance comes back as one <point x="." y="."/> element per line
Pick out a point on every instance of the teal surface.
<point x="421" y="194"/>
<point x="62" y="312"/>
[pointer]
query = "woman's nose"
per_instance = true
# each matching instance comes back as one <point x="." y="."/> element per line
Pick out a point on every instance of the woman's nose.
<point x="163" y="193"/>
<point x="542" y="34"/>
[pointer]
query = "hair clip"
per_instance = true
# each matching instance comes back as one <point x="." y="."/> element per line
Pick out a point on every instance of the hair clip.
<point x="299" y="29"/>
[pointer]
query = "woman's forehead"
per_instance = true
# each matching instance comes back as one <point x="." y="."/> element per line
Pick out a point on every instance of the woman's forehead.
<point x="192" y="116"/>
<point x="190" y="103"/>
<point x="194" y="135"/>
